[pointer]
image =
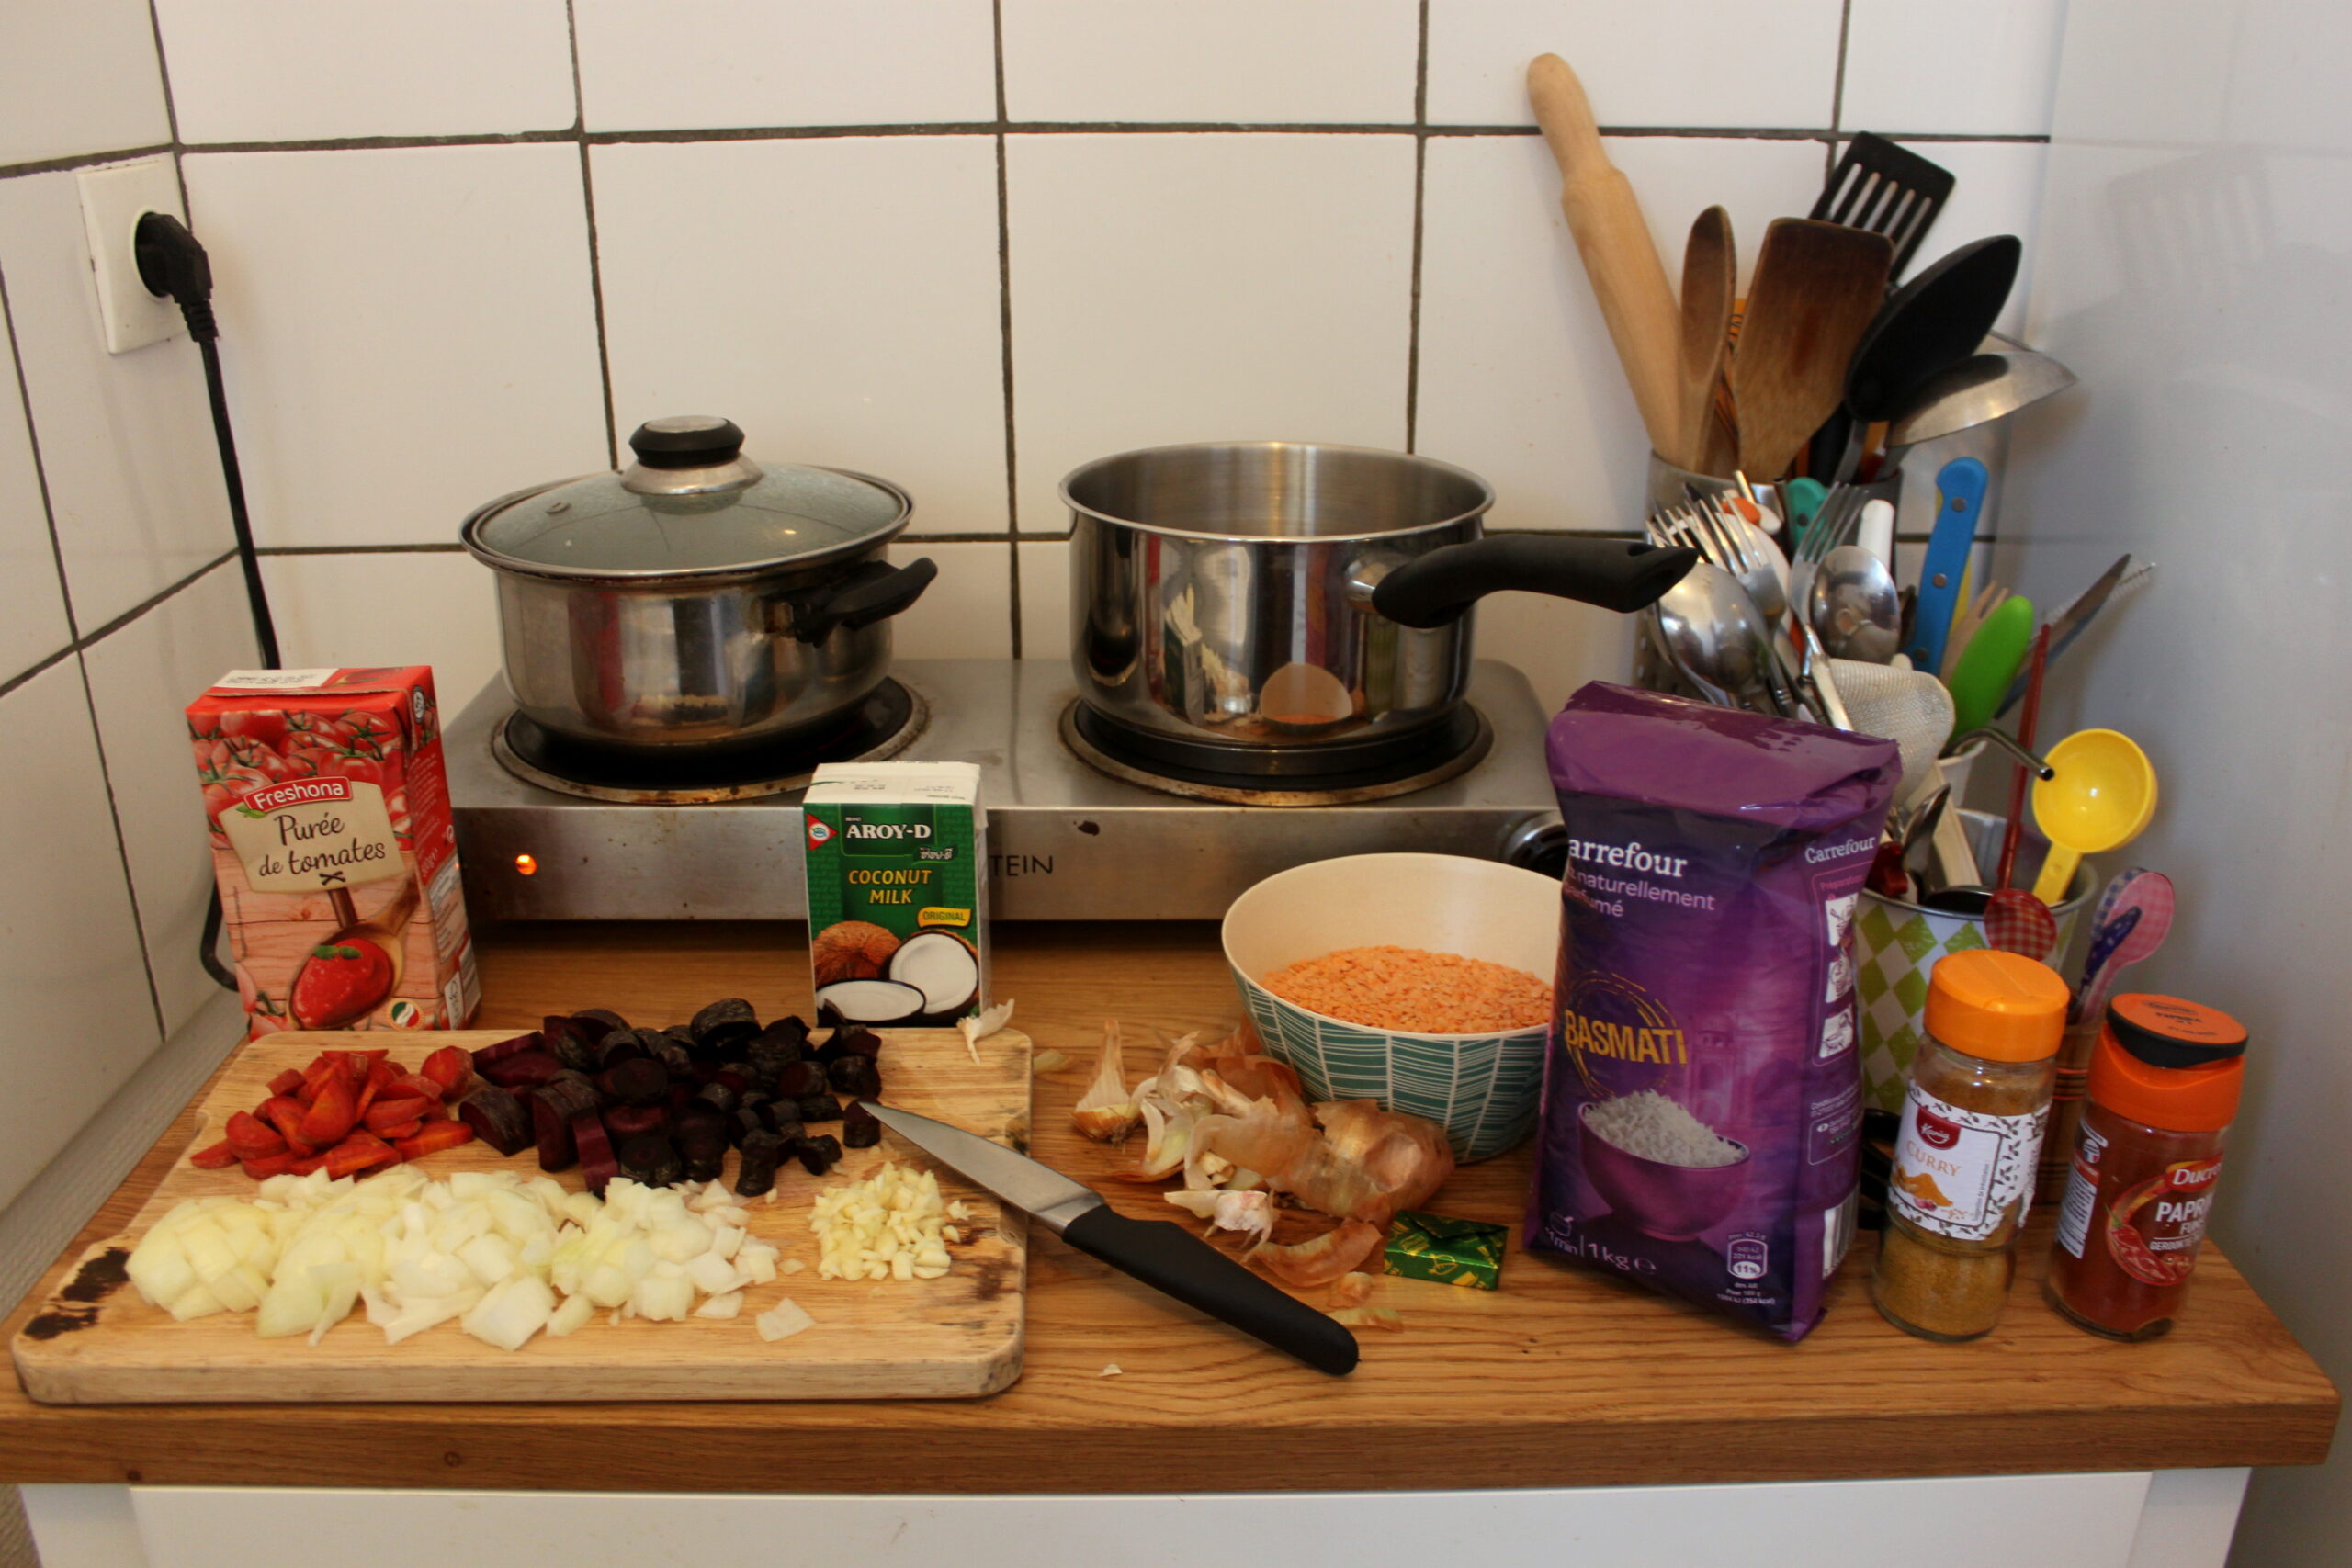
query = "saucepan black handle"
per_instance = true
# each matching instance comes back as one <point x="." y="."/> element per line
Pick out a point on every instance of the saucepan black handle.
<point x="1170" y="1258"/>
<point x="867" y="592"/>
<point x="1624" y="575"/>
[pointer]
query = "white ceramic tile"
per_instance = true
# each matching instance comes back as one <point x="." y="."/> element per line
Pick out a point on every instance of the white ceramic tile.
<point x="73" y="972"/>
<point x="382" y="392"/>
<point x="32" y="598"/>
<point x="686" y="64"/>
<point x="1205" y="288"/>
<point x="435" y="607"/>
<point x="126" y="439"/>
<point x="1996" y="189"/>
<point x="143" y="676"/>
<point x="864" y="338"/>
<point x="1045" y="599"/>
<point x="76" y="77"/>
<point x="967" y="613"/>
<point x="1558" y="644"/>
<point x="1518" y="380"/>
<point x="1987" y="68"/>
<point x="1303" y="61"/>
<point x="1664" y="63"/>
<point x="304" y="70"/>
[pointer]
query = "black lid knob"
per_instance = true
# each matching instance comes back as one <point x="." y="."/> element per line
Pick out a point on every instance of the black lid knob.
<point x="687" y="441"/>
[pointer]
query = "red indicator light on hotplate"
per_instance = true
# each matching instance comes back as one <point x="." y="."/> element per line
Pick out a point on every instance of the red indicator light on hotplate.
<point x="526" y="865"/>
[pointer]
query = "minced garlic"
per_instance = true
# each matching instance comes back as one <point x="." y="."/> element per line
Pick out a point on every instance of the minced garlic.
<point x="892" y="1226"/>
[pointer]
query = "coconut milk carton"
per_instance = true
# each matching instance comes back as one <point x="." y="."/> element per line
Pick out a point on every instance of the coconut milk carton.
<point x="897" y="862"/>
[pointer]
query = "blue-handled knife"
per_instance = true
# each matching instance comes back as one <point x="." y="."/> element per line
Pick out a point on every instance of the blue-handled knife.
<point x="1166" y="1257"/>
<point x="1960" y="504"/>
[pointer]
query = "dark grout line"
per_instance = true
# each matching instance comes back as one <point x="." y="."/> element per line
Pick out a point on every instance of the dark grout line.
<point x="1005" y="334"/>
<point x="390" y="143"/>
<point x="595" y="254"/>
<point x="83" y="160"/>
<point x="40" y="468"/>
<point x="991" y="128"/>
<point x="122" y="849"/>
<point x="1837" y="77"/>
<point x="1420" y="190"/>
<point x="451" y="549"/>
<point x="92" y="639"/>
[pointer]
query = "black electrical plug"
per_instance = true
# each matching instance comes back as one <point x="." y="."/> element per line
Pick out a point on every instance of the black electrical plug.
<point x="172" y="266"/>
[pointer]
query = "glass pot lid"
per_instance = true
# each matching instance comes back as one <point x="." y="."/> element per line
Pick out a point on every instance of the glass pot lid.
<point x="691" y="504"/>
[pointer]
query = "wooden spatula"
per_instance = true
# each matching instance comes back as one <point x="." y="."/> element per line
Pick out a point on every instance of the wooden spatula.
<point x="1605" y="218"/>
<point x="1709" y="275"/>
<point x="1815" y="289"/>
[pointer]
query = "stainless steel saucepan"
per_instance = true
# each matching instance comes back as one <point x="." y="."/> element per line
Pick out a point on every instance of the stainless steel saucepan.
<point x="1283" y="596"/>
<point x="698" y="604"/>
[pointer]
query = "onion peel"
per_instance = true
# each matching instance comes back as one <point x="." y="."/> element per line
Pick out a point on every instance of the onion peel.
<point x="1306" y="1264"/>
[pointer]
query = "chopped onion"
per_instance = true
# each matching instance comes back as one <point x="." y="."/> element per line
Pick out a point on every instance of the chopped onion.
<point x="783" y="1321"/>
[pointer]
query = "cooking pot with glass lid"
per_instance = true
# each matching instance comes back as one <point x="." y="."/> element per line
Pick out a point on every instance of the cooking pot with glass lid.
<point x="698" y="602"/>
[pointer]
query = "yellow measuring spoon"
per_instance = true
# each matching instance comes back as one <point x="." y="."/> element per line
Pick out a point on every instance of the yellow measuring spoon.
<point x="2100" y="793"/>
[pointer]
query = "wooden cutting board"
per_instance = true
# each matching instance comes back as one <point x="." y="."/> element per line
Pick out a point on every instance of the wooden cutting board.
<point x="97" y="1342"/>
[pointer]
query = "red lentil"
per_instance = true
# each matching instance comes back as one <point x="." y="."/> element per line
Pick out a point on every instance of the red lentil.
<point x="1416" y="990"/>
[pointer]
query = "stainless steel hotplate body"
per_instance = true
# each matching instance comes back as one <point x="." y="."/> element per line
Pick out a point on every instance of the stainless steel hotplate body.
<point x="1065" y="841"/>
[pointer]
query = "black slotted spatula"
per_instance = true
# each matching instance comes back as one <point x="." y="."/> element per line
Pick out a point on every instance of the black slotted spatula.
<point x="1886" y="189"/>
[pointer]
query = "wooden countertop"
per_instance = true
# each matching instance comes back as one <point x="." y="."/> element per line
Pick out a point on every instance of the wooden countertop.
<point x="1560" y="1379"/>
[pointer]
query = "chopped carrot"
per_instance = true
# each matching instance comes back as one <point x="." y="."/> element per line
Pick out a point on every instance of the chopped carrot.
<point x="436" y="1136"/>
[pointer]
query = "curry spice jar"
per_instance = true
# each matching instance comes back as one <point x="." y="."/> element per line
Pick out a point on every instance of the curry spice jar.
<point x="1965" y="1157"/>
<point x="2165" y="1081"/>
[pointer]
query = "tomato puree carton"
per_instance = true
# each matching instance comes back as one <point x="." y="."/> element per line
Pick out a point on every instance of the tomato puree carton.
<point x="333" y="844"/>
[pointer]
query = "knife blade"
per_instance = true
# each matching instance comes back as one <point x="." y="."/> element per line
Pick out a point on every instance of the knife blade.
<point x="1162" y="1255"/>
<point x="2071" y="623"/>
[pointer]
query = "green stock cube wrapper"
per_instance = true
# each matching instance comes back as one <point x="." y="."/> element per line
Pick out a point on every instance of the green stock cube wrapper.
<point x="1452" y="1252"/>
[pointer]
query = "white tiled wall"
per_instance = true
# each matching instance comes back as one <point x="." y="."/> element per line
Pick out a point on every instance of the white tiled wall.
<point x="464" y="245"/>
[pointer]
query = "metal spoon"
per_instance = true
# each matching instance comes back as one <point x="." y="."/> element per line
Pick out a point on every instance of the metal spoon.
<point x="1708" y="626"/>
<point x="1851" y="604"/>
<point x="1977" y="391"/>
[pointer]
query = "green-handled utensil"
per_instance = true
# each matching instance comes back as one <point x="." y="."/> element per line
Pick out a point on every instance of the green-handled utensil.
<point x="1990" y="661"/>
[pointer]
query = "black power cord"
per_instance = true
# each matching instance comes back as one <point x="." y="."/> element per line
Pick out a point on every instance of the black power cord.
<point x="172" y="266"/>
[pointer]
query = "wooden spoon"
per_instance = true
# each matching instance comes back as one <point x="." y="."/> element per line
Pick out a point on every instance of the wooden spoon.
<point x="1605" y="218"/>
<point x="1709" y="273"/>
<point x="1817" y="287"/>
<point x="384" y="930"/>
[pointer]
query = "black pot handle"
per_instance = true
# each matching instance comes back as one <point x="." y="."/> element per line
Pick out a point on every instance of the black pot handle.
<point x="867" y="592"/>
<point x="1624" y="575"/>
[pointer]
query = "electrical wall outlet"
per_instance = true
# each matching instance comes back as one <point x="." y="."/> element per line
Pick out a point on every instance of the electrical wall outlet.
<point x="114" y="199"/>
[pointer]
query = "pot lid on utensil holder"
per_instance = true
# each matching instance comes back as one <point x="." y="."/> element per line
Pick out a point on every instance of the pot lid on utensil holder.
<point x="691" y="506"/>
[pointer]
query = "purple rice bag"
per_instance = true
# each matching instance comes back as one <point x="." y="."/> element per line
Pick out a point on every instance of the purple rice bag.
<point x="1702" y="1103"/>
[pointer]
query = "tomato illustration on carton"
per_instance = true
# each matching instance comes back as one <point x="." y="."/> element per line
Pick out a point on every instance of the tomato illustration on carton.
<point x="328" y="809"/>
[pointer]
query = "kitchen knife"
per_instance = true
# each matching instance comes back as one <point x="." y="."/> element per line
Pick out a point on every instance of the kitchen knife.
<point x="1164" y="1255"/>
<point x="1960" y="501"/>
<point x="2070" y="622"/>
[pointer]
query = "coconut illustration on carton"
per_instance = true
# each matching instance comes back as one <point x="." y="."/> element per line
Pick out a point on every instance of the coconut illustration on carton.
<point x="931" y="979"/>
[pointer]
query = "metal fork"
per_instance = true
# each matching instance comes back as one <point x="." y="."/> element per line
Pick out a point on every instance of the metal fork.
<point x="1697" y="528"/>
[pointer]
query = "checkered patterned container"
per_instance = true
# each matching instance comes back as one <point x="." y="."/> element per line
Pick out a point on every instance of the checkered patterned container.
<point x="1482" y="1088"/>
<point x="1895" y="945"/>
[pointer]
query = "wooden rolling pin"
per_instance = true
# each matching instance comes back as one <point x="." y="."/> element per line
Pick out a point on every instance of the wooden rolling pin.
<point x="1618" y="257"/>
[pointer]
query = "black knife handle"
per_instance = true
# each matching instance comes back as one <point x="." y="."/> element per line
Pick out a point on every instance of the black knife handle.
<point x="1168" y="1258"/>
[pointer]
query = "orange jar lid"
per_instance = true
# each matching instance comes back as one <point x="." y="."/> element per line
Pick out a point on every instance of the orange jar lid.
<point x="2179" y="1100"/>
<point x="2003" y="1007"/>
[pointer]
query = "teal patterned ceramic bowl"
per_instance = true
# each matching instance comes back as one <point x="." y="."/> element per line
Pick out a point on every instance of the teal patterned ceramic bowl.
<point x="1482" y="1088"/>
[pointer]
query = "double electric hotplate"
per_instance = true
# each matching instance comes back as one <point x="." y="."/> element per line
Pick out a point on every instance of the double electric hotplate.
<point x="1078" y="829"/>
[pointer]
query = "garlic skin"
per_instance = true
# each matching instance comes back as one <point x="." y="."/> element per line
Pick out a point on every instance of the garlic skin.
<point x="1107" y="1111"/>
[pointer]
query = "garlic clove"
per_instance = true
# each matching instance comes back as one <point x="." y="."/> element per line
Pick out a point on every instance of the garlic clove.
<point x="1107" y="1112"/>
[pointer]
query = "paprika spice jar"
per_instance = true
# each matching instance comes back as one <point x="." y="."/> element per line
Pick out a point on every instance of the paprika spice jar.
<point x="1965" y="1156"/>
<point x="2165" y="1079"/>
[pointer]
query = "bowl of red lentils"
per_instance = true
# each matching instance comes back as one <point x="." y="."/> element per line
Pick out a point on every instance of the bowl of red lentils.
<point x="1420" y="981"/>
